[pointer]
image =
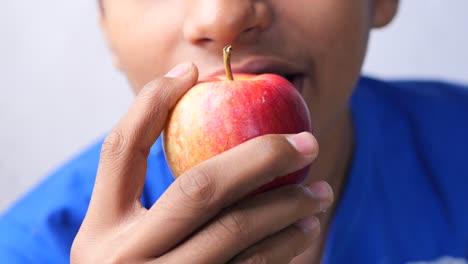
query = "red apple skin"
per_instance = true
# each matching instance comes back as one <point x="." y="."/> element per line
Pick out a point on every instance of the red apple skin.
<point x="215" y="116"/>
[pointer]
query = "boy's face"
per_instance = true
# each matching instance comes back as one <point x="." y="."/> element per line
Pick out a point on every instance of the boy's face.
<point x="322" y="43"/>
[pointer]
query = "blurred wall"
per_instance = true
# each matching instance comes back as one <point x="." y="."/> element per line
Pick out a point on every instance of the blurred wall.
<point x="60" y="92"/>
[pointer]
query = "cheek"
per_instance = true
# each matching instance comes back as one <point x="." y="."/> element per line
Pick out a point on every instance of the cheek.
<point x="339" y="34"/>
<point x="144" y="40"/>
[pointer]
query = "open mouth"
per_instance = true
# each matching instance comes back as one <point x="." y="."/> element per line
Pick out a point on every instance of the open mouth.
<point x="264" y="65"/>
<point x="296" y="79"/>
<point x="292" y="74"/>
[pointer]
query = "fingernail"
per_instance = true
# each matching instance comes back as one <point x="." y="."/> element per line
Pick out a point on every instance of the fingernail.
<point x="179" y="70"/>
<point x="303" y="142"/>
<point x="308" y="224"/>
<point x="323" y="191"/>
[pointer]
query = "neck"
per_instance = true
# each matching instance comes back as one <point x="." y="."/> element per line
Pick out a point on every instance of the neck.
<point x="332" y="165"/>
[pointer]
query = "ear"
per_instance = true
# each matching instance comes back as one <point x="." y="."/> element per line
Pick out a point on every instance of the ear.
<point x="105" y="30"/>
<point x="384" y="12"/>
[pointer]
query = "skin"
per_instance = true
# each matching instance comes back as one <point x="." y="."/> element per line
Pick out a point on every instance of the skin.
<point x="202" y="217"/>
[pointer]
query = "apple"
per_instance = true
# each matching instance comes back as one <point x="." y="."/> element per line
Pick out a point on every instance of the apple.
<point x="222" y="113"/>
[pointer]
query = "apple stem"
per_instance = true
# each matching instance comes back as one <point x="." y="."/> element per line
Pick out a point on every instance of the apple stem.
<point x="227" y="62"/>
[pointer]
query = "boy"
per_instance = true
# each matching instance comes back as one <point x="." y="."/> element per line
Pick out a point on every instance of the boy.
<point x="393" y="153"/>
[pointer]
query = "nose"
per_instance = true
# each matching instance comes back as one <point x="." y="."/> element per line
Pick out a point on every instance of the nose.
<point x="216" y="23"/>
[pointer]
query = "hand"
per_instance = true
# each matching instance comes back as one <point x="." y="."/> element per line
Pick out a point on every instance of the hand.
<point x="206" y="215"/>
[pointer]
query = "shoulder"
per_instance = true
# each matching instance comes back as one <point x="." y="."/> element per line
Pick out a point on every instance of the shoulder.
<point x="434" y="112"/>
<point x="418" y="97"/>
<point x="69" y="182"/>
<point x="40" y="227"/>
<point x="406" y="191"/>
<point x="431" y="115"/>
<point x="420" y="137"/>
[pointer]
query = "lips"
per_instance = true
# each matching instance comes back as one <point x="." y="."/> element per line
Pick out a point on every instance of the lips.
<point x="267" y="65"/>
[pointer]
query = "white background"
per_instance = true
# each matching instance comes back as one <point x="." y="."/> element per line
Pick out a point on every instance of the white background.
<point x="60" y="92"/>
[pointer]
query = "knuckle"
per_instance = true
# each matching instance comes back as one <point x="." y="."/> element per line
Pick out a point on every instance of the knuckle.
<point x="235" y="223"/>
<point x="198" y="187"/>
<point x="114" y="145"/>
<point x="90" y="252"/>
<point x="256" y="258"/>
<point x="117" y="259"/>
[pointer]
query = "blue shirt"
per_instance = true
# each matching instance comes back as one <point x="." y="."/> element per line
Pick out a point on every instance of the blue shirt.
<point x="405" y="198"/>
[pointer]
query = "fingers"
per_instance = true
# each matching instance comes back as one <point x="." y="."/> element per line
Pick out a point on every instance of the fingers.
<point x="254" y="220"/>
<point x="282" y="247"/>
<point x="200" y="193"/>
<point x="122" y="167"/>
